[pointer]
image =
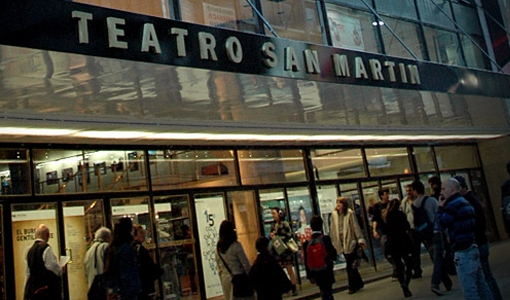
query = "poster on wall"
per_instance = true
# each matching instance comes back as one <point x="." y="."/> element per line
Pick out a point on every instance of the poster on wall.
<point x="75" y="232"/>
<point x="24" y="224"/>
<point x="219" y="16"/>
<point x="210" y="214"/>
<point x="327" y="203"/>
<point x="345" y="31"/>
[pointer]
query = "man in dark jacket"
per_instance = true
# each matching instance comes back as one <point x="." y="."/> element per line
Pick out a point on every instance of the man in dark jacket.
<point x="457" y="216"/>
<point x="266" y="274"/>
<point x="480" y="237"/>
<point x="147" y="269"/>
<point x="323" y="278"/>
<point x="43" y="270"/>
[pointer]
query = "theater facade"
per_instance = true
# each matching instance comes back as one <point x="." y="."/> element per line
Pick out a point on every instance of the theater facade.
<point x="182" y="114"/>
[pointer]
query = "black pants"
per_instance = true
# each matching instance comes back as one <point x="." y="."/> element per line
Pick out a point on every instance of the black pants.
<point x="353" y="277"/>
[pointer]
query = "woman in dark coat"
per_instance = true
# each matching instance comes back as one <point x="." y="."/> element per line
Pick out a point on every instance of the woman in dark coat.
<point x="267" y="277"/>
<point x="399" y="244"/>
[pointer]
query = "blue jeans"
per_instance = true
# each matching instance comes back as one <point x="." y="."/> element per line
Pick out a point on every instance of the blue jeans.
<point x="470" y="273"/>
<point x="435" y="247"/>
<point x="491" y="281"/>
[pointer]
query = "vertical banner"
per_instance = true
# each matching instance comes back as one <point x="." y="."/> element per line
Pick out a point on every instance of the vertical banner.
<point x="24" y="224"/>
<point x="75" y="233"/>
<point x="210" y="213"/>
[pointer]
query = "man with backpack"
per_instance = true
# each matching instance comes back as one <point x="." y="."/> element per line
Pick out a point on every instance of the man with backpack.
<point x="320" y="256"/>
<point x="424" y="213"/>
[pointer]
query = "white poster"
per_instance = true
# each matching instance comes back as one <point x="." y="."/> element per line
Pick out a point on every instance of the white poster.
<point x="219" y="16"/>
<point x="210" y="214"/>
<point x="345" y="31"/>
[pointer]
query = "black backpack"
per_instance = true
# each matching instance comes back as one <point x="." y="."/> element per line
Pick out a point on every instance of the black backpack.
<point x="422" y="224"/>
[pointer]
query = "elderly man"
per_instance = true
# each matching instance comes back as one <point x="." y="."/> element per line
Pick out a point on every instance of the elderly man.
<point x="43" y="269"/>
<point x="458" y="217"/>
<point x="95" y="256"/>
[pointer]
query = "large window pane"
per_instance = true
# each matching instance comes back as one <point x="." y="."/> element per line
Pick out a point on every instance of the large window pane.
<point x="14" y="172"/>
<point x="293" y="19"/>
<point x="232" y="14"/>
<point x="443" y="46"/>
<point x="436" y="12"/>
<point x="387" y="161"/>
<point x="467" y="18"/>
<point x="156" y="8"/>
<point x="424" y="159"/>
<point x="172" y="169"/>
<point x="457" y="157"/>
<point x="352" y="29"/>
<point x="397" y="8"/>
<point x="408" y="32"/>
<point x="337" y="163"/>
<point x="271" y="166"/>
<point x="350" y="3"/>
<point x="72" y="171"/>
<point x="475" y="58"/>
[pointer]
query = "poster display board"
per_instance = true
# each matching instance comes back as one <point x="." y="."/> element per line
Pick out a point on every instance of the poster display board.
<point x="24" y="224"/>
<point x="210" y="214"/>
<point x="75" y="231"/>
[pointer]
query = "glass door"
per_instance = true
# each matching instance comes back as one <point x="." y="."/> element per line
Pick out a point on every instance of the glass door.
<point x="81" y="220"/>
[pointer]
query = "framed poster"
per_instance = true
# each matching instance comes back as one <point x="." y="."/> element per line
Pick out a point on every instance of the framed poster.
<point x="83" y="168"/>
<point x="100" y="168"/>
<point x="133" y="161"/>
<point x="67" y="174"/>
<point x="51" y="177"/>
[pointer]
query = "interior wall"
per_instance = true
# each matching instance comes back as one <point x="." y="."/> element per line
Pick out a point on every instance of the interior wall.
<point x="495" y="153"/>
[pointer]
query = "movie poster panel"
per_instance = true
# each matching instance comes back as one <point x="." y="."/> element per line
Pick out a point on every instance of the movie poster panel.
<point x="210" y="213"/>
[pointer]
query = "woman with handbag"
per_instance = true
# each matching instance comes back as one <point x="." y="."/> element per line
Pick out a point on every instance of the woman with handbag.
<point x="233" y="265"/>
<point x="399" y="244"/>
<point x="282" y="230"/>
<point x="346" y="237"/>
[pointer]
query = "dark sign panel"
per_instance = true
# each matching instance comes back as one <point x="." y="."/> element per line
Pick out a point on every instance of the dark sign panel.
<point x="79" y="28"/>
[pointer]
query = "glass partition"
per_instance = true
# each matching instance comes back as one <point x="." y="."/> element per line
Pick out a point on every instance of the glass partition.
<point x="15" y="171"/>
<point x="409" y="33"/>
<point x="337" y="163"/>
<point x="443" y="46"/>
<point x="173" y="169"/>
<point x="457" y="157"/>
<point x="59" y="171"/>
<point x="136" y="208"/>
<point x="150" y="7"/>
<point x="271" y="166"/>
<point x="387" y="161"/>
<point x="424" y="159"/>
<point x="397" y="8"/>
<point x="25" y="219"/>
<point x="436" y="12"/>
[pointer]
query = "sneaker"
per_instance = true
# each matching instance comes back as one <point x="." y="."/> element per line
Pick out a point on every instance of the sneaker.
<point x="436" y="291"/>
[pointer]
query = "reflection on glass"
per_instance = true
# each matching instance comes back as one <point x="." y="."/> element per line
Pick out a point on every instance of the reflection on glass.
<point x="81" y="220"/>
<point x="172" y="169"/>
<point x="149" y="7"/>
<point x="136" y="208"/>
<point x="424" y="159"/>
<point x="443" y="46"/>
<point x="408" y="32"/>
<point x="25" y="219"/>
<point x="60" y="171"/>
<point x="14" y="172"/>
<point x="337" y="163"/>
<point x="271" y="166"/>
<point x="268" y="200"/>
<point x="387" y="161"/>
<point x="293" y="19"/>
<point x="457" y="157"/>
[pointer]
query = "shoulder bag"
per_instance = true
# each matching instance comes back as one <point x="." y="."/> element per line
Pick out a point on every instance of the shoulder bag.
<point x="97" y="290"/>
<point x="241" y="284"/>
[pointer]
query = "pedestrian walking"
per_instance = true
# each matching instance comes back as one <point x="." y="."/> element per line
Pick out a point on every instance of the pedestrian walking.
<point x="505" y="200"/>
<point x="319" y="257"/>
<point x="346" y="237"/>
<point x="93" y="263"/>
<point x="457" y="216"/>
<point x="148" y="270"/>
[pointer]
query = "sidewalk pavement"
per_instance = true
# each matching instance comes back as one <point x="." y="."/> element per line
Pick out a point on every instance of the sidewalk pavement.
<point x="381" y="287"/>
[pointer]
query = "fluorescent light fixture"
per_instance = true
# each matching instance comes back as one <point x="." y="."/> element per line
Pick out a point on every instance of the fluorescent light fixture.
<point x="36" y="131"/>
<point x="114" y="134"/>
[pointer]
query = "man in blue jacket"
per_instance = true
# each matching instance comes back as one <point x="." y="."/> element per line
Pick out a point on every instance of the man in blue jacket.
<point x="457" y="216"/>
